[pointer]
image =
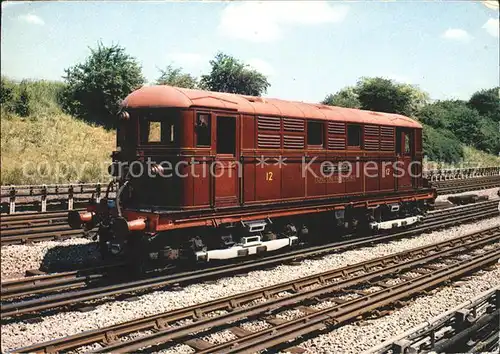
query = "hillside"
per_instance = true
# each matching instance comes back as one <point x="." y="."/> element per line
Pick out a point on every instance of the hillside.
<point x="42" y="144"/>
<point x="49" y="146"/>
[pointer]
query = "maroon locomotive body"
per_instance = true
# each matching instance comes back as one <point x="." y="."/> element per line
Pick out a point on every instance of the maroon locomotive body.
<point x="218" y="175"/>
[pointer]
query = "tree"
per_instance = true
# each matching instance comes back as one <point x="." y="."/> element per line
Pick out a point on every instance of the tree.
<point x="175" y="77"/>
<point x="419" y="98"/>
<point x="347" y="97"/>
<point x="455" y="116"/>
<point x="465" y="124"/>
<point x="382" y="95"/>
<point x="96" y="87"/>
<point x="487" y="103"/>
<point x="379" y="94"/>
<point x="230" y="75"/>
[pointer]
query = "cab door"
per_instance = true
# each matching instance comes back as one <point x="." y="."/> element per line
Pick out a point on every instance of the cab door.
<point x="225" y="168"/>
<point x="405" y="150"/>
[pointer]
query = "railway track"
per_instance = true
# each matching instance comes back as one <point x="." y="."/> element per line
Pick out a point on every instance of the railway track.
<point x="318" y="303"/>
<point x="469" y="327"/>
<point x="16" y="289"/>
<point x="25" y="228"/>
<point x="466" y="185"/>
<point x="86" y="277"/>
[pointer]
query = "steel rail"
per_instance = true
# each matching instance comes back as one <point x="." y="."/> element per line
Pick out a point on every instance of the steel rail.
<point x="56" y="235"/>
<point x="341" y="313"/>
<point x="70" y="280"/>
<point x="464" y="181"/>
<point x="76" y="279"/>
<point x="72" y="298"/>
<point x="54" y="282"/>
<point x="456" y="190"/>
<point x="328" y="282"/>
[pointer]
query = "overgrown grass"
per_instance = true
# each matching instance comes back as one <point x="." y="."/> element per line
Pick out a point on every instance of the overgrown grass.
<point x="49" y="146"/>
<point x="472" y="158"/>
<point x="42" y="97"/>
<point x="53" y="149"/>
<point x="481" y="158"/>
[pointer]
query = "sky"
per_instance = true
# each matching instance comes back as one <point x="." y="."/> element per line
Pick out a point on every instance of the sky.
<point x="307" y="49"/>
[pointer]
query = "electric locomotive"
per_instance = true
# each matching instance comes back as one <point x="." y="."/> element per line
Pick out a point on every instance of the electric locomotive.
<point x="210" y="176"/>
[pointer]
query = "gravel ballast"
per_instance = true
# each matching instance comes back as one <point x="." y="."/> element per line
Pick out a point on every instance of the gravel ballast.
<point x="50" y="256"/>
<point x="22" y="334"/>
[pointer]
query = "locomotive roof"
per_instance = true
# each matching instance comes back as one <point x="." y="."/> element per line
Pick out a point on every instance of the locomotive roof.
<point x="169" y="96"/>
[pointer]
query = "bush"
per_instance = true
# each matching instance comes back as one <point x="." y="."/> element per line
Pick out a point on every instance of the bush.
<point x="490" y="140"/>
<point x="455" y="116"/>
<point x="441" y="145"/>
<point x="29" y="97"/>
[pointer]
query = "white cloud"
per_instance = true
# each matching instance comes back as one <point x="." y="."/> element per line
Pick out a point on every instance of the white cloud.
<point x="492" y="27"/>
<point x="492" y="4"/>
<point x="261" y="66"/>
<point x="457" y="34"/>
<point x="30" y="18"/>
<point x="264" y="21"/>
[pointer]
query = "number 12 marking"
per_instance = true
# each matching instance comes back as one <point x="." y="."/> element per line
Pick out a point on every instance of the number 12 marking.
<point x="269" y="176"/>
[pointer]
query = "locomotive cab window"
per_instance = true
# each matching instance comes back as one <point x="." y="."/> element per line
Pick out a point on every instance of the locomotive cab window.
<point x="404" y="143"/>
<point x="154" y="132"/>
<point x="407" y="144"/>
<point x="354" y="136"/>
<point x="202" y="129"/>
<point x="157" y="128"/>
<point x="315" y="133"/>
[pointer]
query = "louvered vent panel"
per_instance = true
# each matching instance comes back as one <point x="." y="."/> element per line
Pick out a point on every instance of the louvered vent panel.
<point x="267" y="141"/>
<point x="336" y="128"/>
<point x="293" y="142"/>
<point x="269" y="123"/>
<point x="336" y="143"/>
<point x="293" y="125"/>
<point x="371" y="141"/>
<point x="387" y="132"/>
<point x="371" y="130"/>
<point x="387" y="145"/>
<point x="387" y="139"/>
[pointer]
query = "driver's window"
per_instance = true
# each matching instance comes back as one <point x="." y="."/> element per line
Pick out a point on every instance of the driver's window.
<point x="203" y="129"/>
<point x="407" y="143"/>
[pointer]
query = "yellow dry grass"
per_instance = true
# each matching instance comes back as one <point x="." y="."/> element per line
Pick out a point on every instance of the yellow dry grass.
<point x="56" y="148"/>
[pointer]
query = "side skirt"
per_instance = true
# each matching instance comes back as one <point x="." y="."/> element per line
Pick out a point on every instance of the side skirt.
<point x="249" y="247"/>
<point x="391" y="224"/>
